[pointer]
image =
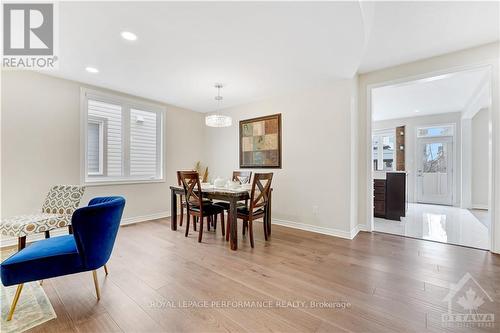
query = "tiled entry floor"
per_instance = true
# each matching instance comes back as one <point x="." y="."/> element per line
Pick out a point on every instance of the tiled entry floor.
<point x="439" y="223"/>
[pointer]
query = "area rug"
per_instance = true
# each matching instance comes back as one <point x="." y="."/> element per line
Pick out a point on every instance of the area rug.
<point x="33" y="307"/>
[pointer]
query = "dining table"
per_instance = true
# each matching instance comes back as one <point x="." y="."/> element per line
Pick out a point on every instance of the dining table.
<point x="233" y="196"/>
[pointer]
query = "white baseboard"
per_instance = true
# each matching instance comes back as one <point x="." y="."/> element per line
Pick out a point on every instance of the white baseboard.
<point x="479" y="206"/>
<point x="354" y="232"/>
<point x="357" y="229"/>
<point x="313" y="228"/>
<point x="363" y="227"/>
<point x="144" y="218"/>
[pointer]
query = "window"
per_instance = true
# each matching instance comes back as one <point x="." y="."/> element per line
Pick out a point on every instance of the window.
<point x="383" y="152"/>
<point x="95" y="146"/>
<point x="435" y="131"/>
<point x="143" y="136"/>
<point x="123" y="139"/>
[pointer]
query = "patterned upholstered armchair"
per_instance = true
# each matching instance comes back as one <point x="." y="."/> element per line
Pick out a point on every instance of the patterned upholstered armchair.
<point x="59" y="205"/>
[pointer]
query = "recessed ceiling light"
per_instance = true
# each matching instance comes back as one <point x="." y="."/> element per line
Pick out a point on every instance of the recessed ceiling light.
<point x="91" y="69"/>
<point x="417" y="111"/>
<point x="128" y="35"/>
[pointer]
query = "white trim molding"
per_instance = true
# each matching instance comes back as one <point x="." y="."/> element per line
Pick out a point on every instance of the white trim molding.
<point x="320" y="230"/>
<point x="144" y="218"/>
<point x="466" y="160"/>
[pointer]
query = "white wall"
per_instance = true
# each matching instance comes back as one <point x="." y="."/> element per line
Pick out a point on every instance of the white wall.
<point x="487" y="55"/>
<point x="316" y="171"/>
<point x="480" y="159"/>
<point x="41" y="146"/>
<point x="411" y="145"/>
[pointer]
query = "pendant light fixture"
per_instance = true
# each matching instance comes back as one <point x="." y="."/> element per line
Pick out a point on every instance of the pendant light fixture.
<point x="217" y="119"/>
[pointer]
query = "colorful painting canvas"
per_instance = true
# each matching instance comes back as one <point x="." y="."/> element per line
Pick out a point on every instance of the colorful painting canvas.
<point x="260" y="142"/>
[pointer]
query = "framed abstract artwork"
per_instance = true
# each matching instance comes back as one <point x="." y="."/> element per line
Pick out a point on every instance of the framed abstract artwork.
<point x="260" y="142"/>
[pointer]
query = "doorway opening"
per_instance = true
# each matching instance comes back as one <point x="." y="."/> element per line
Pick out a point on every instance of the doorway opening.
<point x="431" y="158"/>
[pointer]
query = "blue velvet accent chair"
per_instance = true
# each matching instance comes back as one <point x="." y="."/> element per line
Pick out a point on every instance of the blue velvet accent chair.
<point x="89" y="247"/>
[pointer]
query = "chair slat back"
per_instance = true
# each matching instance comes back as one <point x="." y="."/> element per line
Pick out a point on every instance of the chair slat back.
<point x="237" y="174"/>
<point x="261" y="188"/>
<point x="179" y="182"/>
<point x="192" y="189"/>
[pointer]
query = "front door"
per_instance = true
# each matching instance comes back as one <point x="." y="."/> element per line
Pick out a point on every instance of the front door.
<point x="434" y="170"/>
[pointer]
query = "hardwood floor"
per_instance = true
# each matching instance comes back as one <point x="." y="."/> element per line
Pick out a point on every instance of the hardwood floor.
<point x="386" y="283"/>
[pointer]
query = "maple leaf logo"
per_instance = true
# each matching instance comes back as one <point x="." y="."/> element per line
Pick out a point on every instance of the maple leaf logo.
<point x="470" y="301"/>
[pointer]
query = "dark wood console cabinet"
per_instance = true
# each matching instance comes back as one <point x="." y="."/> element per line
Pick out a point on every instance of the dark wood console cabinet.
<point x="389" y="196"/>
<point x="379" y="198"/>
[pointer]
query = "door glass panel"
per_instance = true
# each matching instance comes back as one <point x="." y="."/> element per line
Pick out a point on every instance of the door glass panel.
<point x="435" y="158"/>
<point x="435" y="164"/>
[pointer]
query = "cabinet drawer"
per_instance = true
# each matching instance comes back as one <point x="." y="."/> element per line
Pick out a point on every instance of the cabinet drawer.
<point x="379" y="190"/>
<point x="379" y="208"/>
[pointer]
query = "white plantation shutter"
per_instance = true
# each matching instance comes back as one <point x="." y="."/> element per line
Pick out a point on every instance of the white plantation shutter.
<point x="93" y="148"/>
<point x="113" y="116"/>
<point x="123" y="139"/>
<point x="143" y="143"/>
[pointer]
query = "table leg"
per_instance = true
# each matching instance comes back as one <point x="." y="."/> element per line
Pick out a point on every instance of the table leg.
<point x="173" y="210"/>
<point x="234" y="225"/>
<point x="21" y="243"/>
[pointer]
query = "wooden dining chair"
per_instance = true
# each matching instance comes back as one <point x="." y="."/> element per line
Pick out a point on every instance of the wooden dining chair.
<point x="243" y="177"/>
<point x="181" y="198"/>
<point x="183" y="202"/>
<point x="259" y="197"/>
<point x="237" y="175"/>
<point x="195" y="205"/>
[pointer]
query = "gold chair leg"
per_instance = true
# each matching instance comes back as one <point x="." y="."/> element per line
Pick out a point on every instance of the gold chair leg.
<point x="106" y="269"/>
<point x="14" y="302"/>
<point x="96" y="283"/>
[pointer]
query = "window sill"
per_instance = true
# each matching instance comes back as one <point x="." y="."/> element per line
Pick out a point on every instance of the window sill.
<point x="121" y="182"/>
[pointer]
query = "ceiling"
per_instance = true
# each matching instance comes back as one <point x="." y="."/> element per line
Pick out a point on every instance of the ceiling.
<point x="408" y="31"/>
<point x="440" y="94"/>
<point x="257" y="49"/>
